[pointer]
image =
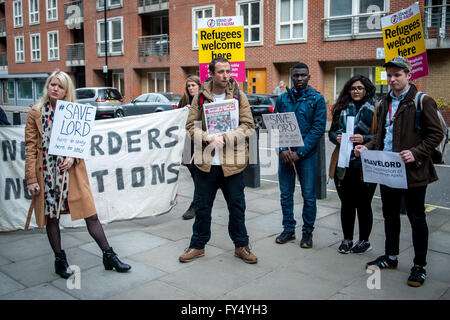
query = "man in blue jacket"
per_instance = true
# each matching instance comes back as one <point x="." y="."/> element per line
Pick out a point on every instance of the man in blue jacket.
<point x="311" y="113"/>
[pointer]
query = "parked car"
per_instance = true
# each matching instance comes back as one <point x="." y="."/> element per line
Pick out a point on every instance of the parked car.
<point x="261" y="104"/>
<point x="106" y="99"/>
<point x="174" y="98"/>
<point x="149" y="103"/>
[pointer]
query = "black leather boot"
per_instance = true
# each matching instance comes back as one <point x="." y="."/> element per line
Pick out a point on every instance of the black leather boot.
<point x="111" y="260"/>
<point x="61" y="265"/>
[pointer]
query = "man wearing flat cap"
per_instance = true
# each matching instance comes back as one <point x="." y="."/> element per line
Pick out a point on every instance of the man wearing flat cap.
<point x="398" y="131"/>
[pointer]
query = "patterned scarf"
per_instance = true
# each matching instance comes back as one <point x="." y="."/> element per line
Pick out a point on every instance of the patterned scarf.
<point x="363" y="117"/>
<point x="53" y="176"/>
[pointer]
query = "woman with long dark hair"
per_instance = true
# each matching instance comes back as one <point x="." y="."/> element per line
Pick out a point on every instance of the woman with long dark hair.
<point x="191" y="88"/>
<point x="355" y="100"/>
<point x="60" y="184"/>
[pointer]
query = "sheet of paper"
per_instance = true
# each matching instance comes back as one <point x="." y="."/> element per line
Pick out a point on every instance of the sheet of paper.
<point x="346" y="148"/>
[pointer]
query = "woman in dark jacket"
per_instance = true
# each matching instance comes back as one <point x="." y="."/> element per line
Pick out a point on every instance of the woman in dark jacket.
<point x="355" y="100"/>
<point x="191" y="88"/>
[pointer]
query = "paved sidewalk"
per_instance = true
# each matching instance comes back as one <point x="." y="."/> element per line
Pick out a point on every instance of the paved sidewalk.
<point x="152" y="246"/>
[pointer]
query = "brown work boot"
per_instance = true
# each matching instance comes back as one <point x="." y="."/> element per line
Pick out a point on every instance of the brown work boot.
<point x="191" y="254"/>
<point x="245" y="254"/>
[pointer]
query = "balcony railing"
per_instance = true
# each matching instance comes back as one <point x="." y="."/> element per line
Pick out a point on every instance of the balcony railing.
<point x="115" y="48"/>
<point x="73" y="14"/>
<point x="75" y="54"/>
<point x="2" y="28"/>
<point x="354" y="26"/>
<point x="146" y="6"/>
<point x="437" y="21"/>
<point x="156" y="45"/>
<point x="3" y="61"/>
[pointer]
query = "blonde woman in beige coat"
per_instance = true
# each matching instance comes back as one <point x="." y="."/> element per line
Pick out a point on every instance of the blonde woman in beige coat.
<point x="53" y="190"/>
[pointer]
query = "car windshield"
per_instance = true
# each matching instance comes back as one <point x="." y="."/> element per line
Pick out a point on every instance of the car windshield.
<point x="173" y="97"/>
<point x="141" y="98"/>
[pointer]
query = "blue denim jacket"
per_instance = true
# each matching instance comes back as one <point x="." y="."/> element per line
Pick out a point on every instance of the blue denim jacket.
<point x="311" y="113"/>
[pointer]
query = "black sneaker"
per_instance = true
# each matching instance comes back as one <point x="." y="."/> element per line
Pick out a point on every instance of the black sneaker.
<point x="345" y="246"/>
<point x="417" y="277"/>
<point x="361" y="246"/>
<point x="382" y="262"/>
<point x="306" y="241"/>
<point x="285" y="236"/>
<point x="190" y="212"/>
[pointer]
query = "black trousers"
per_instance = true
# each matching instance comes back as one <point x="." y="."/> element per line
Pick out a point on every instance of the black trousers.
<point x="356" y="197"/>
<point x="415" y="209"/>
<point x="206" y="186"/>
<point x="191" y="168"/>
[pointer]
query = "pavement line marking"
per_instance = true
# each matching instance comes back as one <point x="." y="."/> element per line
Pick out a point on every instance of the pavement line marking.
<point x="442" y="165"/>
<point x="428" y="207"/>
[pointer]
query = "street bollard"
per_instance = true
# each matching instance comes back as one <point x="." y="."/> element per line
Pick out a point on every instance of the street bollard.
<point x="16" y="118"/>
<point x="252" y="172"/>
<point x="321" y="178"/>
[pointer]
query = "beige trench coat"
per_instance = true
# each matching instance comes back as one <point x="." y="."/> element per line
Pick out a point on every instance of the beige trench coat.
<point x="80" y="199"/>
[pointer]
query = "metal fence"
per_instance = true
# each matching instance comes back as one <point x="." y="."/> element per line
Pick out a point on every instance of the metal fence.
<point x="156" y="45"/>
<point x="75" y="52"/>
<point x="142" y="3"/>
<point x="437" y="21"/>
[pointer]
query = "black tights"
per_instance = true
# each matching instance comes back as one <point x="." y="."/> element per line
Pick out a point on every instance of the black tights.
<point x="94" y="227"/>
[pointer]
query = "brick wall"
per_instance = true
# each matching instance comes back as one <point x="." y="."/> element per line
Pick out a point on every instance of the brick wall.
<point x="321" y="56"/>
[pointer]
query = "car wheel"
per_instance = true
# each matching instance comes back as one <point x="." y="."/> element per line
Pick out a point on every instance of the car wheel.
<point x="119" y="114"/>
<point x="259" y="123"/>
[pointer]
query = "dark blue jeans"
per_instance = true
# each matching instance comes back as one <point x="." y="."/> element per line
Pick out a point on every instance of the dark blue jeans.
<point x="206" y="186"/>
<point x="306" y="169"/>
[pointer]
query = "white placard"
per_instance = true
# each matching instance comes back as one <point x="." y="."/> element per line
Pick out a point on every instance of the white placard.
<point x="72" y="129"/>
<point x="346" y="148"/>
<point x="287" y="126"/>
<point x="385" y="168"/>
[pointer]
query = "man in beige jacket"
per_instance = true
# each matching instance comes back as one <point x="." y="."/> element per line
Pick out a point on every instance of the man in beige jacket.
<point x="220" y="159"/>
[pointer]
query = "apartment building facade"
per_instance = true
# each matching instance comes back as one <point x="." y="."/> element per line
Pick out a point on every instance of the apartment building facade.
<point x="152" y="44"/>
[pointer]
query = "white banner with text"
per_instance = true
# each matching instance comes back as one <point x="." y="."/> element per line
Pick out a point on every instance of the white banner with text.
<point x="133" y="167"/>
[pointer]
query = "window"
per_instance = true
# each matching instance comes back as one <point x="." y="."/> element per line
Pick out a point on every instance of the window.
<point x="18" y="20"/>
<point x="252" y="13"/>
<point x="34" y="11"/>
<point x="115" y="36"/>
<point x="354" y="17"/>
<point x="437" y="18"/>
<point x="198" y="13"/>
<point x="343" y="74"/>
<point x="11" y="91"/>
<point x="52" y="10"/>
<point x="20" y="53"/>
<point x="35" y="40"/>
<point x="291" y="21"/>
<point x="39" y="86"/>
<point x="53" y="45"/>
<point x="158" y="82"/>
<point x="110" y="4"/>
<point x="25" y="89"/>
